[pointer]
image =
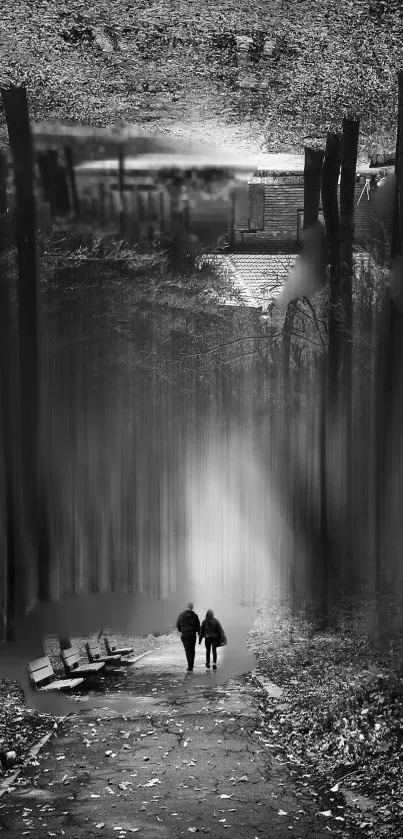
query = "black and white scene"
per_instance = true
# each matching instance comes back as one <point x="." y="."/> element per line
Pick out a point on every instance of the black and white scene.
<point x="201" y="414"/>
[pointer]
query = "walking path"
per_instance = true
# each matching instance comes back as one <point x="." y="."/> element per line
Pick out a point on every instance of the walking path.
<point x="165" y="754"/>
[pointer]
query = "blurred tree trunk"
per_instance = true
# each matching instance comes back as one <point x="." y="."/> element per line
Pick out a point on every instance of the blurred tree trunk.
<point x="286" y="396"/>
<point x="388" y="391"/>
<point x="17" y="117"/>
<point x="330" y="181"/>
<point x="3" y="200"/>
<point x="312" y="179"/>
<point x="320" y="544"/>
<point x="312" y="176"/>
<point x="329" y="368"/>
<point x="349" y="152"/>
<point x="8" y="414"/>
<point x="294" y="484"/>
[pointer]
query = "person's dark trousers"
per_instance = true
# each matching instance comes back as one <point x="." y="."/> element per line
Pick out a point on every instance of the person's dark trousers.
<point x="211" y="644"/>
<point x="189" y="643"/>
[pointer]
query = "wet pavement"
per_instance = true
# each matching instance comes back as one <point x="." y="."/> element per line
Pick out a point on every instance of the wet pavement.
<point x="162" y="753"/>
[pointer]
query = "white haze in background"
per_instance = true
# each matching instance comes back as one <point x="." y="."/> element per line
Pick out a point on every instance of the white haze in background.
<point x="308" y="274"/>
<point x="232" y="519"/>
<point x="233" y="532"/>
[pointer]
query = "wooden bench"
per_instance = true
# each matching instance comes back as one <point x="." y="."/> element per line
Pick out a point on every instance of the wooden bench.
<point x="41" y="672"/>
<point x="72" y="665"/>
<point x="113" y="649"/>
<point x="94" y="653"/>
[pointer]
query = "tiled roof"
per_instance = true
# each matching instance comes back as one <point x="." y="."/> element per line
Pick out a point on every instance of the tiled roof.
<point x="259" y="277"/>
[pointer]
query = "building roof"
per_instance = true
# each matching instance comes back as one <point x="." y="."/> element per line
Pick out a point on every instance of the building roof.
<point x="259" y="277"/>
<point x="244" y="166"/>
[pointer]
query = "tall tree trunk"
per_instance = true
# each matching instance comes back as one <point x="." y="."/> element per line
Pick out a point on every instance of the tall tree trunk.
<point x="389" y="365"/>
<point x="17" y="117"/>
<point x="3" y="200"/>
<point x="314" y="160"/>
<point x="326" y="558"/>
<point x="286" y="396"/>
<point x="349" y="152"/>
<point x="312" y="180"/>
<point x="330" y="182"/>
<point x="8" y="410"/>
<point x="329" y="372"/>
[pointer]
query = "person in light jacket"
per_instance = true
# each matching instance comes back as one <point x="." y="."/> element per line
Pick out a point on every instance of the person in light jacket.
<point x="213" y="633"/>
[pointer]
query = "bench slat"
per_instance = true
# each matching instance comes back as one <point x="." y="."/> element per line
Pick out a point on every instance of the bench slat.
<point x="93" y="648"/>
<point x="62" y="684"/>
<point x="40" y="669"/>
<point x="112" y="647"/>
<point x="70" y="655"/>
<point x="41" y="675"/>
<point x="39" y="663"/>
<point x="95" y="653"/>
<point x="71" y="661"/>
<point x="72" y="664"/>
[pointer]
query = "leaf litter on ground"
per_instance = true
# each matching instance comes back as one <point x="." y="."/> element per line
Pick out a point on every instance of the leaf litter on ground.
<point x="340" y="728"/>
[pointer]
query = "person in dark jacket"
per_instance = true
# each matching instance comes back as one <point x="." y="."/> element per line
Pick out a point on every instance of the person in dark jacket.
<point x="188" y="625"/>
<point x="213" y="633"/>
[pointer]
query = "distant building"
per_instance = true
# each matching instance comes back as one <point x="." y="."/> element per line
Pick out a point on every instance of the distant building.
<point x="265" y="227"/>
<point x="273" y="216"/>
<point x="268" y="215"/>
<point x="260" y="231"/>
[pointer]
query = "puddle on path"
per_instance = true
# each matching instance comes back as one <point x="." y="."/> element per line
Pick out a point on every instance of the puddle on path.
<point x="118" y="705"/>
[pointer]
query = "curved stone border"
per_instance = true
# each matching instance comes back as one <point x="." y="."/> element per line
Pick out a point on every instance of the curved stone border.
<point x="33" y="751"/>
<point x="271" y="689"/>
